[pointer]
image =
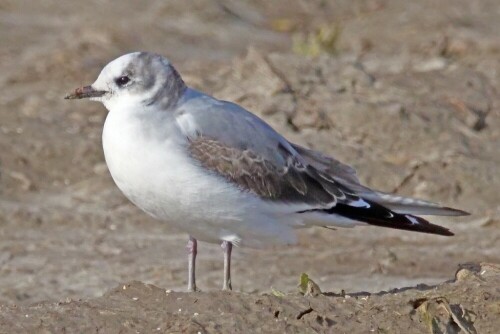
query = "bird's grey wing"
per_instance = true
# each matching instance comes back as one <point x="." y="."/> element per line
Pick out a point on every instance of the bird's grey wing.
<point x="237" y="145"/>
<point x="327" y="164"/>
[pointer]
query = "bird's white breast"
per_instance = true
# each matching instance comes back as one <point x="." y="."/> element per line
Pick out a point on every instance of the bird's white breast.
<point x="148" y="160"/>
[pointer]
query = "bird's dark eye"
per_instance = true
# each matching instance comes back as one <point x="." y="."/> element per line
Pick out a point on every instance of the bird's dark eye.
<point x="122" y="81"/>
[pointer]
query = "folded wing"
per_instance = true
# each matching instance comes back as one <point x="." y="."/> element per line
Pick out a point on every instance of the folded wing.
<point x="240" y="147"/>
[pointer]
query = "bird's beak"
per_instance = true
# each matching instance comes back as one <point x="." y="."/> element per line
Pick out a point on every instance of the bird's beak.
<point x="85" y="92"/>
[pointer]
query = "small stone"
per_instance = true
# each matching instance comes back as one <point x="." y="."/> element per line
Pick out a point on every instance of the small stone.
<point x="429" y="65"/>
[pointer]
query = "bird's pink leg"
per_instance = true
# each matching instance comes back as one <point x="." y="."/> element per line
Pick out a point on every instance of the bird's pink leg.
<point x="192" y="248"/>
<point x="227" y="248"/>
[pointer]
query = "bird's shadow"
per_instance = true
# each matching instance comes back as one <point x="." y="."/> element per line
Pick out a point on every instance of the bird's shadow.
<point x="419" y="287"/>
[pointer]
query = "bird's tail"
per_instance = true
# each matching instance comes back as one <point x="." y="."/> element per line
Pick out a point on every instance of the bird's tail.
<point x="412" y="206"/>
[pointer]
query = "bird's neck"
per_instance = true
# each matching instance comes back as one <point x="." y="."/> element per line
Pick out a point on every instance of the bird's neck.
<point x="169" y="92"/>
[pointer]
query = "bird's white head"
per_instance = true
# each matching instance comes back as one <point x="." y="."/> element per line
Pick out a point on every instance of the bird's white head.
<point x="135" y="80"/>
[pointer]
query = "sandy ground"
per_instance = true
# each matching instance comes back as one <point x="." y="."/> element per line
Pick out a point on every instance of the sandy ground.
<point x="407" y="94"/>
<point x="470" y="304"/>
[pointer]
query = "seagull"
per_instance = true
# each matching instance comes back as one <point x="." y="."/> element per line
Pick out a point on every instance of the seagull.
<point x="221" y="174"/>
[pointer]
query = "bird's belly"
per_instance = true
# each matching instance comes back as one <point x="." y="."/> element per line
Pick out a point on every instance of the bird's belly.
<point x="161" y="179"/>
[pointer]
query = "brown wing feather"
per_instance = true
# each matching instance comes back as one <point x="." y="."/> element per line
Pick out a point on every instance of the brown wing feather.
<point x="290" y="183"/>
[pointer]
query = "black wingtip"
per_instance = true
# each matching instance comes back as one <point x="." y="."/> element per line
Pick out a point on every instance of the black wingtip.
<point x="378" y="215"/>
<point x="424" y="226"/>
